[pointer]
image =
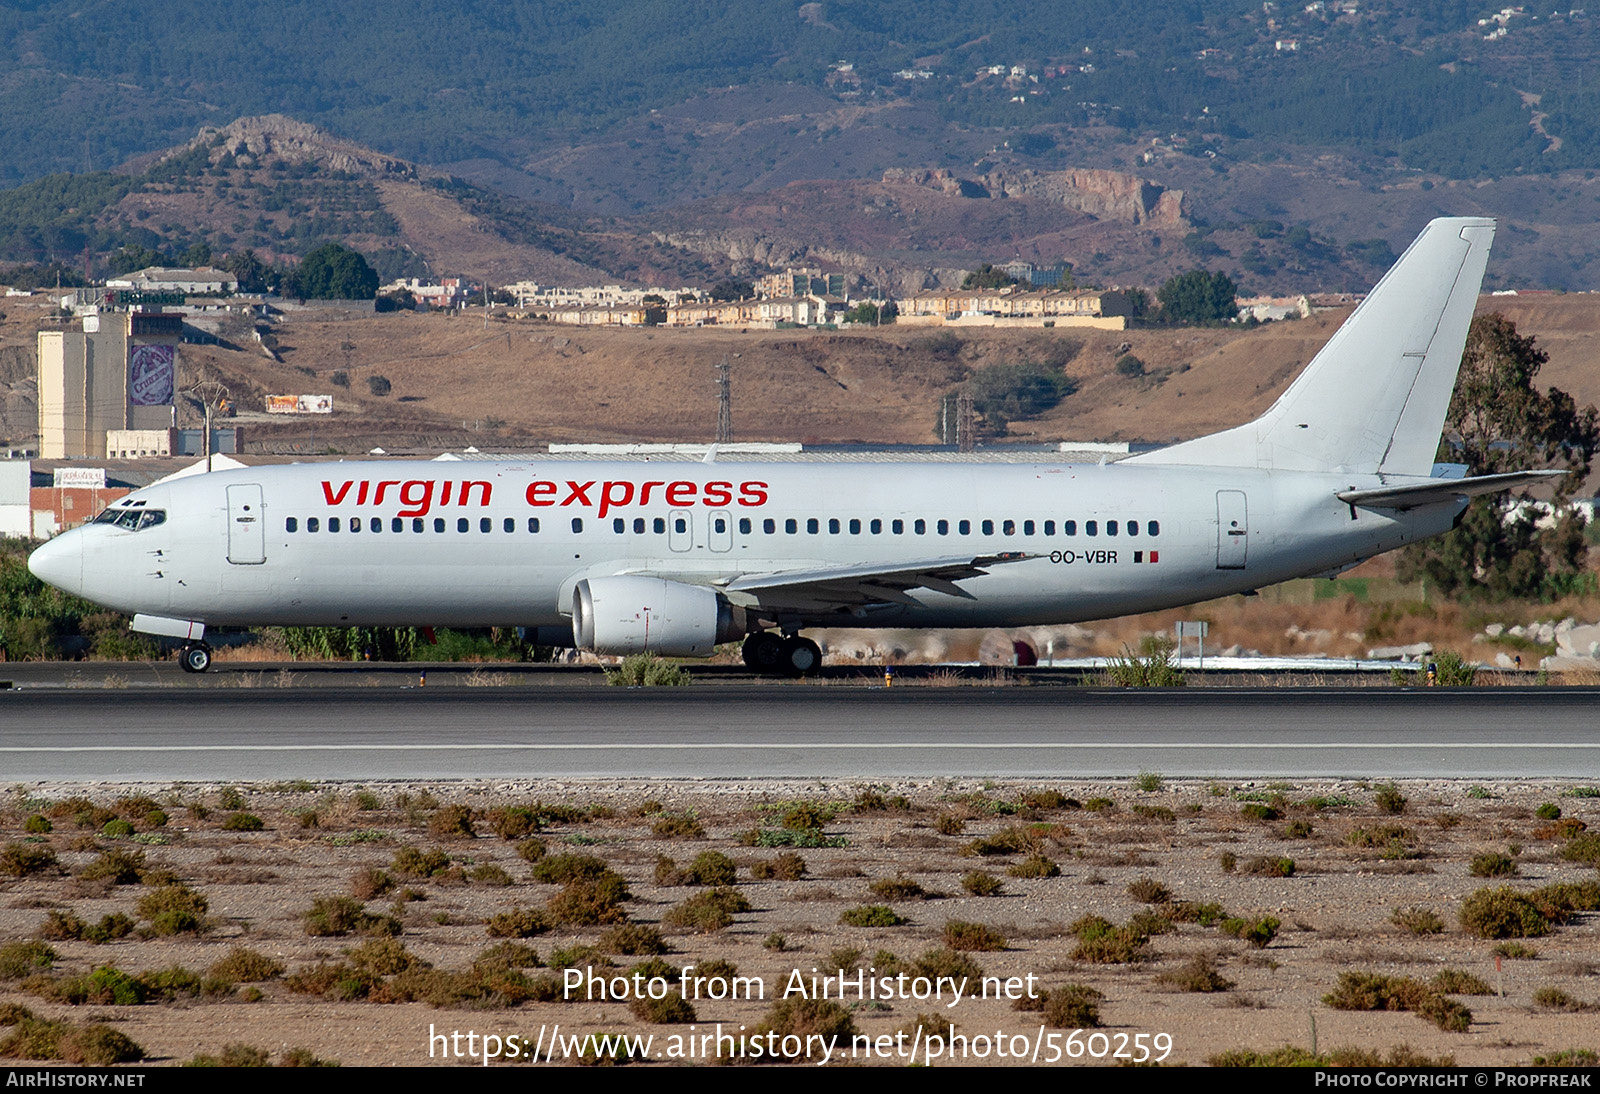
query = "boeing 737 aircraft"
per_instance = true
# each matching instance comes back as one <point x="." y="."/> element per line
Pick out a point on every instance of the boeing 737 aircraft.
<point x="675" y="558"/>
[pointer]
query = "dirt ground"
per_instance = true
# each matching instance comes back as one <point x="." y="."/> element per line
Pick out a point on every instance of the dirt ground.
<point x="1159" y="848"/>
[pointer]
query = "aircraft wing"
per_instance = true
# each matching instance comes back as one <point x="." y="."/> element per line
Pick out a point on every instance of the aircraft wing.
<point x="1434" y="491"/>
<point x="854" y="586"/>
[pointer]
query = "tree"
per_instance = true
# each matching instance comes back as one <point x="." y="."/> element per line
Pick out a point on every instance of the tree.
<point x="876" y="313"/>
<point x="1499" y="422"/>
<point x="248" y="270"/>
<point x="987" y="276"/>
<point x="1198" y="296"/>
<point x="332" y="272"/>
<point x="731" y="289"/>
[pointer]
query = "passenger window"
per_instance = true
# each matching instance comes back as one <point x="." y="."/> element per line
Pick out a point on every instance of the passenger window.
<point x="769" y="526"/>
<point x="877" y="527"/>
<point x="812" y="526"/>
<point x="485" y="524"/>
<point x="618" y="525"/>
<point x="291" y="525"/>
<point x="376" y="524"/>
<point x="898" y="527"/>
<point x="744" y="526"/>
<point x="462" y="524"/>
<point x="855" y="526"/>
<point x="418" y="524"/>
<point x="791" y="526"/>
<point x="397" y="525"/>
<point x="333" y="524"/>
<point x="964" y="527"/>
<point x="988" y="527"/>
<point x="1049" y="527"/>
<point x="1153" y="527"/>
<point x="679" y="524"/>
<point x="943" y="527"/>
<point x="355" y="524"/>
<point x="719" y="525"/>
<point x="533" y="525"/>
<point x="1091" y="528"/>
<point x="1111" y="527"/>
<point x="660" y="526"/>
<point x="1009" y="528"/>
<point x="920" y="527"/>
<point x="1027" y="527"/>
<point x="638" y="526"/>
<point x="438" y="524"/>
<point x="577" y="524"/>
<point x="833" y="526"/>
<point x="1069" y="527"/>
<point x="311" y="524"/>
<point x="1133" y="527"/>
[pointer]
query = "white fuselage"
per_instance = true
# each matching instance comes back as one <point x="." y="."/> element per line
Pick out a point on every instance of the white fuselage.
<point x="503" y="544"/>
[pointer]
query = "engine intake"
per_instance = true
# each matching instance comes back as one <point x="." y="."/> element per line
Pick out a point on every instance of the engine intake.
<point x="622" y="615"/>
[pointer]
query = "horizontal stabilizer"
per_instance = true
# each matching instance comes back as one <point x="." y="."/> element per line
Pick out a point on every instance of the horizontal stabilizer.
<point x="1434" y="491"/>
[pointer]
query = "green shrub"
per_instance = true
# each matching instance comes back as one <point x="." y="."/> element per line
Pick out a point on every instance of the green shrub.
<point x="979" y="883"/>
<point x="1072" y="1006"/>
<point x="813" y="1021"/>
<point x="230" y="798"/>
<point x="633" y="940"/>
<point x="489" y="874"/>
<point x="1257" y="811"/>
<point x="1268" y="866"/>
<point x="1387" y="797"/>
<point x="451" y="822"/>
<point x="20" y="959"/>
<point x="705" y="912"/>
<point x="1147" y="890"/>
<point x="1198" y="974"/>
<point x="415" y="862"/>
<point x="948" y="824"/>
<point x="1493" y="864"/>
<point x="1584" y="848"/>
<point x="1374" y="991"/>
<point x="646" y="670"/>
<point x="21" y="859"/>
<point x="786" y="867"/>
<point x="1459" y="982"/>
<point x="712" y="868"/>
<point x="517" y="923"/>
<point x="1257" y="932"/>
<point x="1149" y="782"/>
<point x="1103" y="943"/>
<point x="671" y="1009"/>
<point x="1502" y="913"/>
<point x="246" y="966"/>
<point x="589" y="902"/>
<point x="1298" y="829"/>
<point x="37" y="825"/>
<point x="90" y="1044"/>
<point x="242" y="822"/>
<point x="174" y="909"/>
<point x="1155" y="665"/>
<point x="1559" y="900"/>
<point x="565" y="868"/>
<point x="1548" y="811"/>
<point x="937" y="962"/>
<point x="334" y="916"/>
<point x="1453" y="670"/>
<point x="899" y="887"/>
<point x="871" y="915"/>
<point x="117" y="866"/>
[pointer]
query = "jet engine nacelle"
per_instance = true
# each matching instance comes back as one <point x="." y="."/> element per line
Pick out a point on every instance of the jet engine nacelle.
<point x="622" y="615"/>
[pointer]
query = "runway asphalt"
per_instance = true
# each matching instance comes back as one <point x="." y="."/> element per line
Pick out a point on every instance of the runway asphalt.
<point x="395" y="730"/>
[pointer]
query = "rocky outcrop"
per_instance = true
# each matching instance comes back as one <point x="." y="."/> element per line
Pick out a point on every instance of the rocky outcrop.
<point x="286" y="138"/>
<point x="1108" y="195"/>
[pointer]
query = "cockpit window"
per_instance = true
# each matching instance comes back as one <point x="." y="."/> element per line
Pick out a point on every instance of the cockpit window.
<point x="133" y="520"/>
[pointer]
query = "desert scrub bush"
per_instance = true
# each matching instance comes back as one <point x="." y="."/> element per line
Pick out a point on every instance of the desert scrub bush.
<point x="871" y="915"/>
<point x="1458" y="982"/>
<point x="703" y="913"/>
<point x="369" y="883"/>
<point x="671" y="1009"/>
<point x="786" y="867"/>
<point x="1228" y="861"/>
<point x="790" y="837"/>
<point x="646" y="670"/>
<point x="246" y="966"/>
<point x="1553" y="998"/>
<point x="61" y="926"/>
<point x="1189" y="911"/>
<point x="451" y="822"/>
<point x="1258" y="812"/>
<point x="972" y="937"/>
<point x="632" y="940"/>
<point x="565" y="868"/>
<point x="712" y="868"/>
<point x="1584" y="848"/>
<point x="514" y="822"/>
<point x="22" y="860"/>
<point x="1257" y="932"/>
<point x="241" y="822"/>
<point x="898" y="887"/>
<point x="1147" y="890"/>
<point x="806" y="816"/>
<point x="1299" y="829"/>
<point x="1515" y="951"/>
<point x="116" y="866"/>
<point x="810" y="1020"/>
<point x="234" y="1055"/>
<point x="1453" y="670"/>
<point x="1417" y="920"/>
<point x="1548" y="811"/>
<point x="489" y="874"/>
<point x="531" y="849"/>
<point x="517" y="923"/>
<point x="1072" y="1006"/>
<point x="1154" y="812"/>
<point x="937" y="962"/>
<point x="1502" y="913"/>
<point x="1269" y="866"/>
<point x="1148" y="781"/>
<point x="1198" y="974"/>
<point x="37" y="825"/>
<point x="677" y="826"/>
<point x="1387" y="797"/>
<point x="979" y="883"/>
<point x="1493" y="864"/>
<point x="1104" y="943"/>
<point x="91" y="1044"/>
<point x="948" y="824"/>
<point x="174" y="909"/>
<point x="1374" y="991"/>
<point x="590" y="901"/>
<point x="1559" y="900"/>
<point x="415" y="862"/>
<point x="335" y="916"/>
<point x="20" y="959"/>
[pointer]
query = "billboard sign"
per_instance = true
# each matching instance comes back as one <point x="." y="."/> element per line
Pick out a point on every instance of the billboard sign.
<point x="151" y="372"/>
<point x="299" y="404"/>
<point x="80" y="478"/>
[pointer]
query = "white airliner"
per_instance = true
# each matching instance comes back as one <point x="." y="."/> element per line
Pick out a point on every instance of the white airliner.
<point x="626" y="557"/>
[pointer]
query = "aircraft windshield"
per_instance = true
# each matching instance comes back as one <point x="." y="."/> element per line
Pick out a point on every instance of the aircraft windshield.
<point x="133" y="520"/>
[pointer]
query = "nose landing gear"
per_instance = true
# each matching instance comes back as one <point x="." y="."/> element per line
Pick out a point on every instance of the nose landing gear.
<point x="779" y="655"/>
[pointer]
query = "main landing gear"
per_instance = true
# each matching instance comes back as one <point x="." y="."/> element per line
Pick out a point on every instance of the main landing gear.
<point x="768" y="652"/>
<point x="195" y="657"/>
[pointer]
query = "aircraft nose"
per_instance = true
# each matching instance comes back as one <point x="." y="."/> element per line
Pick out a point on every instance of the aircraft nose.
<point x="60" y="562"/>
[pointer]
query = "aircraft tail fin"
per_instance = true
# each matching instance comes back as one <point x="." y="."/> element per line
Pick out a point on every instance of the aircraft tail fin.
<point x="1375" y="396"/>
